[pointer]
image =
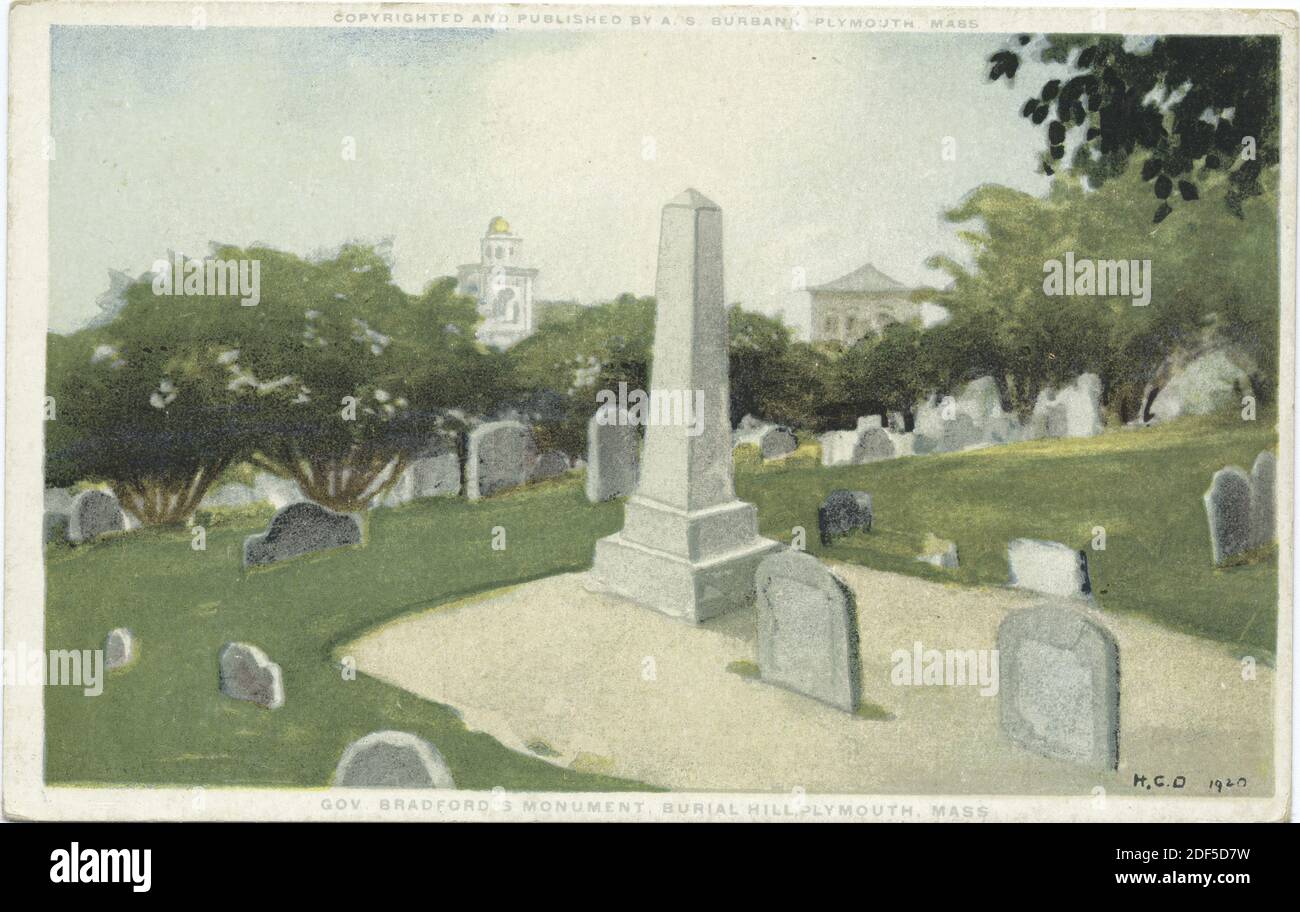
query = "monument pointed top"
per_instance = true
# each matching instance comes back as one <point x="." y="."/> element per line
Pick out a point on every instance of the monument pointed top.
<point x="691" y="198"/>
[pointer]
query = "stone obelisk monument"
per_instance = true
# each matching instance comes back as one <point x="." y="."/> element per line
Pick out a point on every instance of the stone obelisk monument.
<point x="688" y="547"/>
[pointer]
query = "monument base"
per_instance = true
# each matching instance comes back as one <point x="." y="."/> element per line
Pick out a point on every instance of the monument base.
<point x="709" y="571"/>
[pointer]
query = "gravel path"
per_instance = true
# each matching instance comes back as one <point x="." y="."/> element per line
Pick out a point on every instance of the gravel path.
<point x="596" y="683"/>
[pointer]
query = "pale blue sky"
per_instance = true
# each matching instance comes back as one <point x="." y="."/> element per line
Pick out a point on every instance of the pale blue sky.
<point x="824" y="151"/>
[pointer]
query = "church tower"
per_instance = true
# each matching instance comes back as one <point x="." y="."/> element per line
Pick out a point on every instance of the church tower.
<point x="502" y="285"/>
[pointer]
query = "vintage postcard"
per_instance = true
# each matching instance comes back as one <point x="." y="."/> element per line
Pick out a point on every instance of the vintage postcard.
<point x="526" y="412"/>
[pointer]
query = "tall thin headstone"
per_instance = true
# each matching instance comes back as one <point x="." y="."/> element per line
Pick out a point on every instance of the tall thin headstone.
<point x="688" y="547"/>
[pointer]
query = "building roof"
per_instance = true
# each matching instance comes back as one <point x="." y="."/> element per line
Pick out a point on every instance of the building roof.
<point x="865" y="279"/>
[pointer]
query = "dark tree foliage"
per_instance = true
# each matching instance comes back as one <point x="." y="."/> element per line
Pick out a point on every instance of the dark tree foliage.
<point x="1187" y="105"/>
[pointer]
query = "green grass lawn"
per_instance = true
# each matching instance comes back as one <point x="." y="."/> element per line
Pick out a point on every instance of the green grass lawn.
<point x="162" y="721"/>
<point x="1143" y="487"/>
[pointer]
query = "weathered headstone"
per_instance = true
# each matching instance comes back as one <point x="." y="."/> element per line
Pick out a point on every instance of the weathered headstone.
<point x="1211" y="382"/>
<point x="392" y="759"/>
<point x="94" y="513"/>
<point x="939" y="552"/>
<point x="904" y="442"/>
<point x="1059" y="685"/>
<point x="501" y="455"/>
<point x="858" y="447"/>
<point x="842" y="512"/>
<point x="868" y="422"/>
<point x="119" y="648"/>
<point x="246" y="673"/>
<point x="1227" y="507"/>
<point x="841" y="448"/>
<point x="942" y="428"/>
<point x="550" y="464"/>
<point x="688" y="547"/>
<point x="433" y="471"/>
<point x="1072" y="411"/>
<point x="613" y="457"/>
<point x="435" y="476"/>
<point x="875" y="444"/>
<point x="1263" y="500"/>
<point x="773" y="440"/>
<point x="777" y="441"/>
<point x="301" y="528"/>
<point x="807" y="630"/>
<point x="1048" y="567"/>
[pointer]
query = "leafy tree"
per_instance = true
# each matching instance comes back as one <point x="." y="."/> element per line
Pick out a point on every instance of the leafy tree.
<point x="773" y="376"/>
<point x="334" y="379"/>
<point x="144" y="409"/>
<point x="1190" y="106"/>
<point x="349" y="374"/>
<point x="1210" y="272"/>
<point x="557" y="372"/>
<point x="882" y="374"/>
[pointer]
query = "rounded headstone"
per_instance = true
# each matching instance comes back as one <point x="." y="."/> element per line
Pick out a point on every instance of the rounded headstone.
<point x="119" y="648"/>
<point x="246" y="673"/>
<point x="94" y="513"/>
<point x="392" y="759"/>
<point x="1228" y="510"/>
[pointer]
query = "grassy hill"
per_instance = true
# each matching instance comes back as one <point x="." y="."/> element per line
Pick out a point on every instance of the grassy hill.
<point x="162" y="721"/>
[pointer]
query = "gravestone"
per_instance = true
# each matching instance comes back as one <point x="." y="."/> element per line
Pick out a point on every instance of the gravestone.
<point x="435" y="476"/>
<point x="875" y="444"/>
<point x="301" y="528"/>
<point x="1072" y="411"/>
<point x="939" y="552"/>
<point x="94" y="513"/>
<point x="1048" y="567"/>
<point x="688" y="546"/>
<point x="1227" y="507"/>
<point x="433" y="471"/>
<point x="841" y="448"/>
<point x="1058" y="693"/>
<point x="776" y="441"/>
<point x="807" y="630"/>
<point x="119" y="648"/>
<point x="1211" y="382"/>
<point x="842" y="512"/>
<point x="246" y="673"/>
<point x="981" y="400"/>
<point x="904" y="442"/>
<point x="501" y="455"/>
<point x="1263" y="500"/>
<point x="941" y="428"/>
<point x="550" y="464"/>
<point x="613" y="456"/>
<point x="868" y="422"/>
<point x="392" y="759"/>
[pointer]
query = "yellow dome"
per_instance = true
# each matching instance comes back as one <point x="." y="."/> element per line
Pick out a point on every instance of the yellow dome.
<point x="498" y="226"/>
